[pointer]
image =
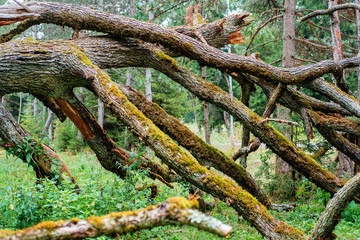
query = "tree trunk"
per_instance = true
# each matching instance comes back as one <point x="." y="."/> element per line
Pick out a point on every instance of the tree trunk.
<point x="245" y="139"/>
<point x="20" y="107"/>
<point x="148" y="91"/>
<point x="288" y="60"/>
<point x="345" y="164"/>
<point x="206" y="112"/>
<point x="48" y="125"/>
<point x="36" y="107"/>
<point x="101" y="113"/>
<point x="81" y="99"/>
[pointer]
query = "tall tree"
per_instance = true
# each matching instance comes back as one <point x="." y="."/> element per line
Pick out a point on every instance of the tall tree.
<point x="288" y="60"/>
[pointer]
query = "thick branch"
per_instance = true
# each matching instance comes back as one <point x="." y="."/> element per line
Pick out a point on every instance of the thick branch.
<point x="206" y="154"/>
<point x="85" y="18"/>
<point x="332" y="214"/>
<point x="110" y="156"/>
<point x="183" y="163"/>
<point x="330" y="10"/>
<point x="171" y="212"/>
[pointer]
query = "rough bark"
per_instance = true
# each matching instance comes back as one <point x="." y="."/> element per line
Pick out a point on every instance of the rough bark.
<point x="330" y="10"/>
<point x="174" y="211"/>
<point x="204" y="90"/>
<point x="288" y="60"/>
<point x="332" y="213"/>
<point x="206" y="154"/>
<point x="183" y="163"/>
<point x="206" y="112"/>
<point x="42" y="157"/>
<point x="110" y="156"/>
<point x="75" y="17"/>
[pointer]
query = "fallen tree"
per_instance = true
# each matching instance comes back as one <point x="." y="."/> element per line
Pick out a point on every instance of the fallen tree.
<point x="174" y="211"/>
<point x="78" y="63"/>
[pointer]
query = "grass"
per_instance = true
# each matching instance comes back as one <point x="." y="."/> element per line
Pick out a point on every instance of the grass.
<point x="23" y="203"/>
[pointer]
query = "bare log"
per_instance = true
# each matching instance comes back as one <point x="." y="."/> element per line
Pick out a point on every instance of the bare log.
<point x="332" y="213"/>
<point x="171" y="212"/>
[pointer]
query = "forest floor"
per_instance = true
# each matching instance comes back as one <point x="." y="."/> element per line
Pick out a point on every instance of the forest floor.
<point x="23" y="203"/>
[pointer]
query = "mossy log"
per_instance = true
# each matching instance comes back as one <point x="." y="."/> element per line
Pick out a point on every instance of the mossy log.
<point x="332" y="213"/>
<point x="174" y="211"/>
<point x="186" y="166"/>
<point x="206" y="154"/>
<point x="109" y="154"/>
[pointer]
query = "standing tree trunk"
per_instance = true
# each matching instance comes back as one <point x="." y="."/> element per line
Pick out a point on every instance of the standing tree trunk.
<point x="48" y="125"/>
<point x="20" y="107"/>
<point x="36" y="107"/>
<point x="206" y="112"/>
<point x="101" y="107"/>
<point x="81" y="99"/>
<point x="345" y="165"/>
<point x="288" y="60"/>
<point x="148" y="91"/>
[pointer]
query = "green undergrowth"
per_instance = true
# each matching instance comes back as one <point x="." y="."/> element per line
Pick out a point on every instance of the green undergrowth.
<point x="24" y="203"/>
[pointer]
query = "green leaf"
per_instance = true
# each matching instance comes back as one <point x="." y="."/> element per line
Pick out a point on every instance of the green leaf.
<point x="28" y="158"/>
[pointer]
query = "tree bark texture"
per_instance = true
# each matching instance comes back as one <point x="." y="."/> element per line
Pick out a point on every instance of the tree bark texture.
<point x="167" y="65"/>
<point x="174" y="211"/>
<point x="206" y="154"/>
<point x="60" y="67"/>
<point x="332" y="214"/>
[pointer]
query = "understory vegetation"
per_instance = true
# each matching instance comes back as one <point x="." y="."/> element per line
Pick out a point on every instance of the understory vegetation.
<point x="24" y="202"/>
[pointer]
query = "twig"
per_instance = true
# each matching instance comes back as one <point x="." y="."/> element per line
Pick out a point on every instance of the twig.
<point x="313" y="44"/>
<point x="330" y="10"/>
<point x="177" y="4"/>
<point x="262" y="44"/>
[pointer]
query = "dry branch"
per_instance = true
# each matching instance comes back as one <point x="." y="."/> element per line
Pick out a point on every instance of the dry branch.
<point x="258" y="30"/>
<point x="174" y="211"/>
